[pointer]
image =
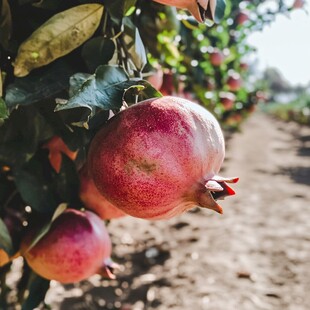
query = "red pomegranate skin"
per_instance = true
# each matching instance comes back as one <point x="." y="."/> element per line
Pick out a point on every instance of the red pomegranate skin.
<point x="153" y="160"/>
<point x="74" y="248"/>
<point x="95" y="201"/>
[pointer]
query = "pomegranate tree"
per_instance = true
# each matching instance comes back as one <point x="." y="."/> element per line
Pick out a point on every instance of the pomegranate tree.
<point x="159" y="158"/>
<point x="153" y="160"/>
<point x="76" y="247"/>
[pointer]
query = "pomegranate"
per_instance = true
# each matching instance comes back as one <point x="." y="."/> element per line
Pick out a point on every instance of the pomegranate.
<point x="56" y="147"/>
<point x="242" y="17"/>
<point x="298" y="4"/>
<point x="94" y="201"/>
<point x="75" y="247"/>
<point x="244" y="66"/>
<point x="201" y="9"/>
<point x="234" y="81"/>
<point x="159" y="158"/>
<point x="227" y="99"/>
<point x="216" y="57"/>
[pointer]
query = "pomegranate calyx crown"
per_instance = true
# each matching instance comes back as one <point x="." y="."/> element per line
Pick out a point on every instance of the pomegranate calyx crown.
<point x="216" y="188"/>
<point x="107" y="269"/>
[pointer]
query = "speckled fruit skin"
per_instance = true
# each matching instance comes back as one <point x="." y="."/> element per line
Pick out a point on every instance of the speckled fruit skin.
<point x="74" y="248"/>
<point x="153" y="159"/>
<point x="95" y="201"/>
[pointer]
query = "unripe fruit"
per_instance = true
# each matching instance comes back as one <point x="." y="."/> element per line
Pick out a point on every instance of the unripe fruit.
<point x="56" y="148"/>
<point x="95" y="201"/>
<point x="159" y="158"/>
<point x="75" y="247"/>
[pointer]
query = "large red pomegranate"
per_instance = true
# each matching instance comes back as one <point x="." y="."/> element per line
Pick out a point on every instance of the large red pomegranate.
<point x="159" y="158"/>
<point x="75" y="247"/>
<point x="93" y="200"/>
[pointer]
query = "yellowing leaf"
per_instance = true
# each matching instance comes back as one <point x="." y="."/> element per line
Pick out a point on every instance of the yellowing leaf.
<point x="57" y="37"/>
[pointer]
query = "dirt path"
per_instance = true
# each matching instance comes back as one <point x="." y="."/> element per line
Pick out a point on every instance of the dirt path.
<point x="255" y="256"/>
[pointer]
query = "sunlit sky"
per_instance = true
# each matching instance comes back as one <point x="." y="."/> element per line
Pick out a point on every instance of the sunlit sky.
<point x="285" y="45"/>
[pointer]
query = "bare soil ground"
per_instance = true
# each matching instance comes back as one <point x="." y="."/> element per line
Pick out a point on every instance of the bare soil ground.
<point x="255" y="256"/>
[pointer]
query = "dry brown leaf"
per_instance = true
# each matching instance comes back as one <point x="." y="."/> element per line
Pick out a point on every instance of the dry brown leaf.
<point x="57" y="37"/>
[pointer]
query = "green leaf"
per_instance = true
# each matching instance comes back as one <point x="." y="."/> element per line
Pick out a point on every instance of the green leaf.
<point x="57" y="123"/>
<point x="67" y="181"/>
<point x="4" y="113"/>
<point x="21" y="134"/>
<point x="37" y="288"/>
<point x="143" y="89"/>
<point x="76" y="82"/>
<point x="97" y="51"/>
<point x="134" y="44"/>
<point x="34" y="182"/>
<point x="119" y="8"/>
<point x="56" y="38"/>
<point x="5" y="23"/>
<point x="104" y="90"/>
<point x="5" y="239"/>
<point x="47" y="4"/>
<point x="40" y="85"/>
<point x="219" y="10"/>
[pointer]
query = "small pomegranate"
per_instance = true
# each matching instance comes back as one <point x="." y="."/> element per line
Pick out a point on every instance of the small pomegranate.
<point x="242" y="17"/>
<point x="234" y="81"/>
<point x="216" y="57"/>
<point x="227" y="99"/>
<point x="244" y="66"/>
<point x="76" y="247"/>
<point x="94" y="201"/>
<point x="56" y="147"/>
<point x="298" y="4"/>
<point x="201" y="10"/>
<point x="159" y="158"/>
